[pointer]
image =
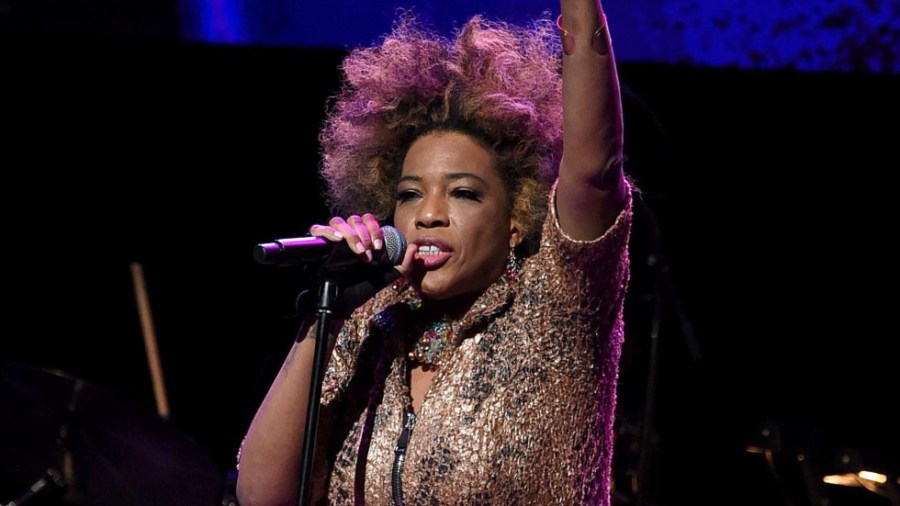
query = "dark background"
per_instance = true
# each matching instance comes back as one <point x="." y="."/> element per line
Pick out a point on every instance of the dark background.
<point x="771" y="192"/>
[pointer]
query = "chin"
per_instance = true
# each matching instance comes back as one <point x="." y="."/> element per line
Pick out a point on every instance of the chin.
<point x="434" y="291"/>
<point x="439" y="288"/>
<point x="437" y="285"/>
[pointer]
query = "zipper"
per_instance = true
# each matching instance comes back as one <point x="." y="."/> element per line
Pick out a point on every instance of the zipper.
<point x="409" y="421"/>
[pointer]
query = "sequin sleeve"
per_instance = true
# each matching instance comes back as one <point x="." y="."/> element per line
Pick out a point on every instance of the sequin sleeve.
<point x="589" y="276"/>
<point x="559" y="401"/>
<point x="350" y="343"/>
<point x="336" y="389"/>
<point x="345" y="354"/>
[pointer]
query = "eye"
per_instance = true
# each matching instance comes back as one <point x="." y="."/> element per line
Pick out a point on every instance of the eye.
<point x="406" y="194"/>
<point x="467" y="194"/>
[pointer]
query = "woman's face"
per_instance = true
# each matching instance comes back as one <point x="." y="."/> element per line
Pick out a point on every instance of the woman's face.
<point x="454" y="206"/>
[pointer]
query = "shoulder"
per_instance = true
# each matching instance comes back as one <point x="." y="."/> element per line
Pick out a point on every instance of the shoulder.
<point x="557" y="247"/>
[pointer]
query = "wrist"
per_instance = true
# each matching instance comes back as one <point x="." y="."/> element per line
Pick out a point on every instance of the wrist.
<point x="599" y="40"/>
<point x="310" y="329"/>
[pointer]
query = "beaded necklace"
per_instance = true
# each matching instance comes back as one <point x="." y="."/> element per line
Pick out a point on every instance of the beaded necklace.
<point x="434" y="341"/>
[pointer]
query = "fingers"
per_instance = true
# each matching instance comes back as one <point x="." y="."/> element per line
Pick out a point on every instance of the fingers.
<point x="371" y="224"/>
<point x="362" y="233"/>
<point x="406" y="265"/>
<point x="410" y="268"/>
<point x="325" y="231"/>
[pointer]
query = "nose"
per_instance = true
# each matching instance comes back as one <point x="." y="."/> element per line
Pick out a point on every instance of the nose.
<point x="432" y="213"/>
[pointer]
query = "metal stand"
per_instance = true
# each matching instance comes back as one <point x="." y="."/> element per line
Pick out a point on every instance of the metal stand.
<point x="664" y="290"/>
<point x="51" y="478"/>
<point x="327" y="294"/>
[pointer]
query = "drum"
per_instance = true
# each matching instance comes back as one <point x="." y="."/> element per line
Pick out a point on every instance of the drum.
<point x="64" y="440"/>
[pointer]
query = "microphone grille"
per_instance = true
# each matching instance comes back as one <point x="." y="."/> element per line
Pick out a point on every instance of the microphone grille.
<point x="394" y="245"/>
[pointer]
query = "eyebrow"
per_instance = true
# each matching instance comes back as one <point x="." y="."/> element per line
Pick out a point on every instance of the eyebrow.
<point x="453" y="176"/>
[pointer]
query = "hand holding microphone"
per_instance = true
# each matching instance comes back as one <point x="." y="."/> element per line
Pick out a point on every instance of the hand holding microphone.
<point x="364" y="236"/>
<point x="358" y="252"/>
<point x="341" y="243"/>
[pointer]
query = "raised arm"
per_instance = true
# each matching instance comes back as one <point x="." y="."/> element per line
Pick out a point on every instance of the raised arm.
<point x="591" y="188"/>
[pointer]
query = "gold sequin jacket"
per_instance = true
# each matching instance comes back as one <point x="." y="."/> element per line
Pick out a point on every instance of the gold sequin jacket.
<point x="522" y="413"/>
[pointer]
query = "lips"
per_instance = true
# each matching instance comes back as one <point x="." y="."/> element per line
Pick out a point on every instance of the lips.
<point x="432" y="253"/>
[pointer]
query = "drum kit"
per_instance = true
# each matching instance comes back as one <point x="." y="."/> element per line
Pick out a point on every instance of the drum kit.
<point x="65" y="441"/>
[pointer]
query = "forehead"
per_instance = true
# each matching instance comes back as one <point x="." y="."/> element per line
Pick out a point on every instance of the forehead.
<point x="442" y="152"/>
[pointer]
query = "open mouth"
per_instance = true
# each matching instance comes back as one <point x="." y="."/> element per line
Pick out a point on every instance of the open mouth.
<point x="432" y="255"/>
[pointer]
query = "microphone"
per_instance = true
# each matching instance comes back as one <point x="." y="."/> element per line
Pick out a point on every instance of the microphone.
<point x="333" y="255"/>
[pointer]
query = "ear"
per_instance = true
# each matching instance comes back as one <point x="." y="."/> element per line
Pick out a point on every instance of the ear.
<point x="515" y="233"/>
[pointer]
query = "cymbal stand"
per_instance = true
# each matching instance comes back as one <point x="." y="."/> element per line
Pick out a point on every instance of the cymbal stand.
<point x="53" y="480"/>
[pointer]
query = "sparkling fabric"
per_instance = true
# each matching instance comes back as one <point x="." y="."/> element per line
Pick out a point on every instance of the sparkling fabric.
<point x="521" y="413"/>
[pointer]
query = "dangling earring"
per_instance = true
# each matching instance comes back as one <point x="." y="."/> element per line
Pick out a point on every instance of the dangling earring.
<point x="512" y="264"/>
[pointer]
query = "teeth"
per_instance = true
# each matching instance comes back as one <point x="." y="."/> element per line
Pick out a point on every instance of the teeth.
<point x="429" y="249"/>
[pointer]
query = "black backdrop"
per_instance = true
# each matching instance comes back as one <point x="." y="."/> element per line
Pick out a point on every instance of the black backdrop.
<point x="770" y="190"/>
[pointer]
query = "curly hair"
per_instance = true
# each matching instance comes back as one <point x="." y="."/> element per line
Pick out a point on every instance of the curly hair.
<point x="497" y="82"/>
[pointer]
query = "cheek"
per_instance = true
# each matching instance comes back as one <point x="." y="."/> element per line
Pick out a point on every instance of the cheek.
<point x="490" y="239"/>
<point x="402" y="221"/>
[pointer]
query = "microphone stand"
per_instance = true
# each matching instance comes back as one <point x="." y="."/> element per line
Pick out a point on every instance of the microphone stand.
<point x="340" y="266"/>
<point x="328" y="291"/>
<point x="51" y="480"/>
<point x="664" y="289"/>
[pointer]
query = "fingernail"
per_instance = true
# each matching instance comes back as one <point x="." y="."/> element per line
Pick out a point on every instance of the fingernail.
<point x="377" y="243"/>
<point x="338" y="234"/>
<point x="369" y="256"/>
<point x="359" y="247"/>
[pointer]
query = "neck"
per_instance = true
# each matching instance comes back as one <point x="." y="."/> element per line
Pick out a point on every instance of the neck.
<point x="450" y="309"/>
